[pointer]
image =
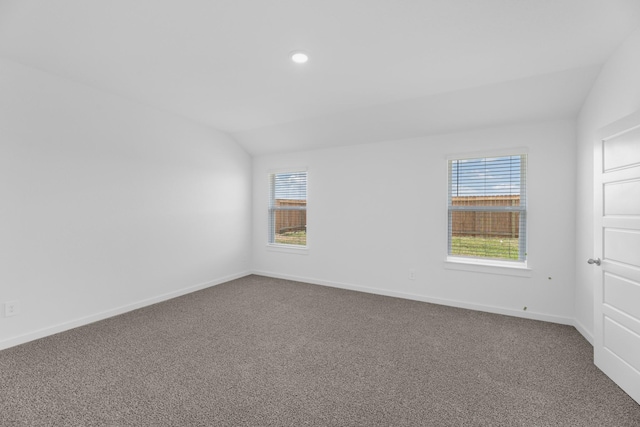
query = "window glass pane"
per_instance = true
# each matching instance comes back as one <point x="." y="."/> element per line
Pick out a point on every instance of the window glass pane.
<point x="290" y="225"/>
<point x="485" y="234"/>
<point x="490" y="176"/>
<point x="291" y="186"/>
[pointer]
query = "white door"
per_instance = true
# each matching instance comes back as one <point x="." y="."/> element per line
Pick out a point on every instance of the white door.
<point x="617" y="242"/>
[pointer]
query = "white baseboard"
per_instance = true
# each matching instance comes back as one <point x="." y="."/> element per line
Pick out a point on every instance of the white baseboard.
<point x="583" y="331"/>
<point x="61" y="327"/>
<point x="441" y="301"/>
<point x="65" y="326"/>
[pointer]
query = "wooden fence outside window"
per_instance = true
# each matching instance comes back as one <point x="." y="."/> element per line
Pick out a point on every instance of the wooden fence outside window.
<point x="290" y="220"/>
<point x="483" y="223"/>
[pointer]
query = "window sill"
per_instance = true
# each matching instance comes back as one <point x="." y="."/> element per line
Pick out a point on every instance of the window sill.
<point x="290" y="249"/>
<point x="505" y="268"/>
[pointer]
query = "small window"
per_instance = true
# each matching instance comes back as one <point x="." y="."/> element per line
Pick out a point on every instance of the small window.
<point x="488" y="208"/>
<point x="288" y="208"/>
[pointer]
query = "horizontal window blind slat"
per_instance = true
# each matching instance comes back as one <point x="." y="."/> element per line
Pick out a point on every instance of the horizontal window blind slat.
<point x="488" y="208"/>
<point x="287" y="208"/>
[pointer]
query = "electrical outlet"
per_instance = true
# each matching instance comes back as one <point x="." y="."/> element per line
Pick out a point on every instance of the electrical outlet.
<point x="11" y="308"/>
<point x="412" y="274"/>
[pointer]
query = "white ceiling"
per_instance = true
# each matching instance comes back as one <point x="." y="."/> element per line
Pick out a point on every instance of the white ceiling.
<point x="379" y="69"/>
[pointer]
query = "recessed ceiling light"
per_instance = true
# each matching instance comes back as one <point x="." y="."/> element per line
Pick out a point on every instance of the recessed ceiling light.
<point x="299" y="57"/>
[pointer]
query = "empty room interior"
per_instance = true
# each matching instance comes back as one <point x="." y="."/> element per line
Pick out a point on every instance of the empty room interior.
<point x="295" y="212"/>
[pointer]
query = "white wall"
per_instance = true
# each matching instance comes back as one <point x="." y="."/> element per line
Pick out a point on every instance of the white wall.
<point x="377" y="210"/>
<point x="107" y="205"/>
<point x="615" y="94"/>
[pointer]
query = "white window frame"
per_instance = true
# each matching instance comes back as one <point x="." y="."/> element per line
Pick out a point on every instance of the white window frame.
<point x="518" y="267"/>
<point x="271" y="244"/>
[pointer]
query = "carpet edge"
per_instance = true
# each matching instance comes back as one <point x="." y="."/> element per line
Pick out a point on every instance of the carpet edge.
<point x="72" y="324"/>
<point x="545" y="317"/>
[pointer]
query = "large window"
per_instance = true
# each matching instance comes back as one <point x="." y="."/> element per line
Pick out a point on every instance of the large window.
<point x="288" y="208"/>
<point x="488" y="207"/>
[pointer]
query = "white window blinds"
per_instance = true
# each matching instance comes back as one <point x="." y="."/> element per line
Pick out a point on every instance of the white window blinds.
<point x="488" y="207"/>
<point x="287" y="215"/>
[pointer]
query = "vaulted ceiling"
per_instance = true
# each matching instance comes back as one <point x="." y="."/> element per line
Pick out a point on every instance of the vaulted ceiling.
<point x="378" y="69"/>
